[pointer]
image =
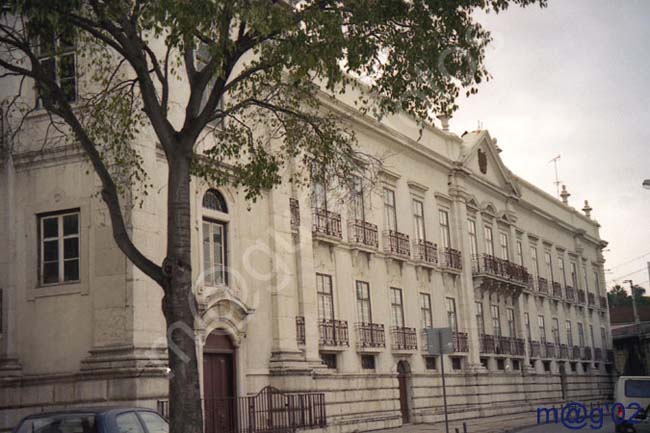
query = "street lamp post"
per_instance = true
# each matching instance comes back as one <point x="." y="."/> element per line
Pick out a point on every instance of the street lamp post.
<point x="636" y="314"/>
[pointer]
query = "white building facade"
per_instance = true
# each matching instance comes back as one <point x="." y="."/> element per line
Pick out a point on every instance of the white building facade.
<point x="324" y="291"/>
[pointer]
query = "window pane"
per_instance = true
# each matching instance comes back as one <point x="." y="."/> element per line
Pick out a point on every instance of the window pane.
<point x="51" y="250"/>
<point x="217" y="239"/>
<point x="70" y="248"/>
<point x="66" y="66"/>
<point x="206" y="254"/>
<point x="71" y="224"/>
<point x="50" y="227"/>
<point x="68" y="86"/>
<point x="51" y="273"/>
<point x="71" y="270"/>
<point x="128" y="423"/>
<point x="154" y="423"/>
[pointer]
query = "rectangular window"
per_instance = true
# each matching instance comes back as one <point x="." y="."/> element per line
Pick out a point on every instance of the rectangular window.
<point x="214" y="253"/>
<point x="480" y="321"/>
<point x="520" y="254"/>
<point x="549" y="266"/>
<point x="325" y="297"/>
<point x="542" y="329"/>
<point x="430" y="362"/>
<point x="560" y="267"/>
<point x="581" y="335"/>
<point x="358" y="203"/>
<point x="445" y="237"/>
<point x="425" y="309"/>
<point x="451" y="314"/>
<point x="586" y="279"/>
<point x="496" y="320"/>
<point x="527" y="325"/>
<point x="591" y="335"/>
<point x="569" y="333"/>
<point x="603" y="337"/>
<point x="510" y="316"/>
<point x="556" y="331"/>
<point x="503" y="244"/>
<point x="535" y="262"/>
<point x="418" y="220"/>
<point x="390" y="211"/>
<point x="319" y="195"/>
<point x="397" y="307"/>
<point x="574" y="275"/>
<point x="329" y="359"/>
<point x="56" y="54"/>
<point x="489" y="241"/>
<point x="596" y="283"/>
<point x="364" y="313"/>
<point x="368" y="362"/>
<point x="473" y="242"/>
<point x="59" y="247"/>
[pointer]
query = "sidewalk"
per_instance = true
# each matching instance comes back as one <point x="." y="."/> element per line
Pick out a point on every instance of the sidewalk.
<point x="495" y="424"/>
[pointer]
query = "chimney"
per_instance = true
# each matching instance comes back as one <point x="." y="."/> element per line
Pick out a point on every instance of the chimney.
<point x="587" y="209"/>
<point x="565" y="195"/>
<point x="444" y="121"/>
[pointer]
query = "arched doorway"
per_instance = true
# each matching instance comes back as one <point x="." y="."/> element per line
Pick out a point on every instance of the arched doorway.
<point x="219" y="385"/>
<point x="403" y="379"/>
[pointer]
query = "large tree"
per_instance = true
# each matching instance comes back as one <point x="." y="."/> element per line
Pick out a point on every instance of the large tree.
<point x="241" y="76"/>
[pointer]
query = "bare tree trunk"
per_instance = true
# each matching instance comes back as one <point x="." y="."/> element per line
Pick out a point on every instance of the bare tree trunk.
<point x="179" y="304"/>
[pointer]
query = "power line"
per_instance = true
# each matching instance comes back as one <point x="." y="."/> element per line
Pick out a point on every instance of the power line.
<point x="627" y="275"/>
<point x="631" y="260"/>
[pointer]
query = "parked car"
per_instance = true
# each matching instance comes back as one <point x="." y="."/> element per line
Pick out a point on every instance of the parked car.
<point x="633" y="392"/>
<point x="95" y="420"/>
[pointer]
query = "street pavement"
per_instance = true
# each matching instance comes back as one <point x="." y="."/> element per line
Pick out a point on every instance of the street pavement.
<point x="607" y="427"/>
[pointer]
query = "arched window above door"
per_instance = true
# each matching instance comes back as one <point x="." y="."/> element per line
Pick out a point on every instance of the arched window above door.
<point x="214" y="200"/>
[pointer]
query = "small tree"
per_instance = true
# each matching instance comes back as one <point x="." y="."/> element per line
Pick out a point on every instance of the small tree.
<point x="245" y="77"/>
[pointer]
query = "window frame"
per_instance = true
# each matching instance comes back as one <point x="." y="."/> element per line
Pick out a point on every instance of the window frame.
<point x="419" y="229"/>
<point x="504" y="245"/>
<point x="555" y="330"/>
<point x="480" y="318"/>
<point x="488" y="236"/>
<point x="362" y="302"/>
<point x="548" y="261"/>
<point x="60" y="238"/>
<point x="397" y="307"/>
<point x="322" y="295"/>
<point x="541" y="324"/>
<point x="445" y="228"/>
<point x="358" y="200"/>
<point x="473" y="237"/>
<point x="512" y="326"/>
<point x="57" y="53"/>
<point x="390" y="209"/>
<point x="535" y="259"/>
<point x="568" y="330"/>
<point x="561" y="269"/>
<point x="452" y="317"/>
<point x="223" y="225"/>
<point x="495" y="314"/>
<point x="529" y="334"/>
<point x="426" y="314"/>
<point x="520" y="252"/>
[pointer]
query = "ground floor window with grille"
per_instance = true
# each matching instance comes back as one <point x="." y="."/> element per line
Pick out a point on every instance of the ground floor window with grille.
<point x="456" y="363"/>
<point x="329" y="359"/>
<point x="58" y="247"/>
<point x="368" y="362"/>
<point x="430" y="362"/>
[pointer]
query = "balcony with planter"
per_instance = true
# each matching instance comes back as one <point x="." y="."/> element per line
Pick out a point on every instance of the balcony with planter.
<point x="333" y="333"/>
<point x="491" y="272"/>
<point x="397" y="245"/>
<point x="370" y="336"/>
<point x="451" y="259"/>
<point x="363" y="235"/>
<point x="326" y="225"/>
<point x="403" y="338"/>
<point x="425" y="252"/>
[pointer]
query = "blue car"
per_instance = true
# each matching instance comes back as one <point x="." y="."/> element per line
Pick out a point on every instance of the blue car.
<point x="95" y="420"/>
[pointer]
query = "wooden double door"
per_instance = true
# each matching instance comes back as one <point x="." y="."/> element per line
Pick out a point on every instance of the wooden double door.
<point x="219" y="385"/>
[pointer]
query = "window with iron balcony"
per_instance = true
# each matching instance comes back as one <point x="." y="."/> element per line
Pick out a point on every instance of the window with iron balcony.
<point x="360" y="231"/>
<point x="324" y="222"/>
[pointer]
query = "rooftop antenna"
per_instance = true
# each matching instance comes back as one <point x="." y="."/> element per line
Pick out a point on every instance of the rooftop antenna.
<point x="557" y="176"/>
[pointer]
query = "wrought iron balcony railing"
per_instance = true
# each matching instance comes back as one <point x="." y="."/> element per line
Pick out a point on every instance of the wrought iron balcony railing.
<point x="333" y="332"/>
<point x="363" y="233"/>
<point x="557" y="290"/>
<point x="461" y="342"/>
<point x="575" y="352"/>
<point x="487" y="343"/>
<point x="300" y="330"/>
<point x="503" y="269"/>
<point x="426" y="251"/>
<point x="549" y="350"/>
<point x="535" y="349"/>
<point x="570" y="293"/>
<point x="586" y="353"/>
<point x="294" y="209"/>
<point x="370" y="335"/>
<point x="542" y="285"/>
<point x="603" y="302"/>
<point x="510" y="346"/>
<point x="591" y="299"/>
<point x="598" y="354"/>
<point x="326" y="223"/>
<point x="581" y="296"/>
<point x="404" y="338"/>
<point x="451" y="258"/>
<point x="396" y="243"/>
<point x="564" y="351"/>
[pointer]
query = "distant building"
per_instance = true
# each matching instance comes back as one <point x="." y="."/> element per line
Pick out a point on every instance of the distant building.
<point x="631" y="340"/>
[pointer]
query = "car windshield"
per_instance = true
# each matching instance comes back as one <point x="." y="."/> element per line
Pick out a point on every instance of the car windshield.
<point x="62" y="423"/>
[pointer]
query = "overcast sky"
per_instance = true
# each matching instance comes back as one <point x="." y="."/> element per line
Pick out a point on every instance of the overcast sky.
<point x="574" y="79"/>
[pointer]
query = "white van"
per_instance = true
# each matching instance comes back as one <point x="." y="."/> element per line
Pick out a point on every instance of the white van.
<point x="633" y="394"/>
